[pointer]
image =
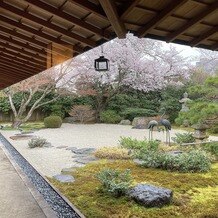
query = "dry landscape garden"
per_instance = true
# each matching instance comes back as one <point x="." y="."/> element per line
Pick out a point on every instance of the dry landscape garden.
<point x="139" y="140"/>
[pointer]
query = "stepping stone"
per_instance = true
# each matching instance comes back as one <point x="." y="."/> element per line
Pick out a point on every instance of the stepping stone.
<point x="71" y="149"/>
<point x="84" y="151"/>
<point x="85" y="160"/>
<point x="48" y="145"/>
<point x="80" y="155"/>
<point x="60" y="147"/>
<point x="64" y="178"/>
<point x="68" y="170"/>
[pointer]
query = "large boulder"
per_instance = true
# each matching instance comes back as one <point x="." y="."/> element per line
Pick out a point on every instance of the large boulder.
<point x="69" y="120"/>
<point x="142" y="122"/>
<point x="125" y="122"/>
<point x="150" y="196"/>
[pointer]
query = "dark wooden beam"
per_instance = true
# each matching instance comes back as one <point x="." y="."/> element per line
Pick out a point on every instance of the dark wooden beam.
<point x="10" y="74"/>
<point x="129" y="8"/>
<point x="4" y="78"/>
<point x="93" y="8"/>
<point x="16" y="70"/>
<point x="37" y="33"/>
<point x="162" y="15"/>
<point x="22" y="51"/>
<point x="23" y="57"/>
<point x="204" y="36"/>
<point x="81" y="23"/>
<point x="110" y="10"/>
<point x="28" y="42"/>
<point x="21" y="62"/>
<point x="47" y="24"/>
<point x="16" y="66"/>
<point x="32" y="49"/>
<point x="214" y="47"/>
<point x="193" y="21"/>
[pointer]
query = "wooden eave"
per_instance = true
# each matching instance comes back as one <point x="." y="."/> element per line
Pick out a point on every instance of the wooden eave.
<point x="28" y="27"/>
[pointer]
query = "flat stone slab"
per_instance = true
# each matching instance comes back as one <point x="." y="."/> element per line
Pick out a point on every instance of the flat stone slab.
<point x="61" y="147"/>
<point x="68" y="170"/>
<point x="85" y="160"/>
<point x="64" y="178"/>
<point x="21" y="137"/>
<point x="83" y="150"/>
<point x="71" y="148"/>
<point x="150" y="196"/>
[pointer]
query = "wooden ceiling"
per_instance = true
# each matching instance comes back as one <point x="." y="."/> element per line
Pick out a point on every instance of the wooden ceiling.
<point x="28" y="27"/>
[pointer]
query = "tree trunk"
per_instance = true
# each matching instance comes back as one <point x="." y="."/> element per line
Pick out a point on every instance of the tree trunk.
<point x="16" y="123"/>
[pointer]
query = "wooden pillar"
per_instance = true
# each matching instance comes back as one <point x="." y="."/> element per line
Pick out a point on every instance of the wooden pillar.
<point x="57" y="54"/>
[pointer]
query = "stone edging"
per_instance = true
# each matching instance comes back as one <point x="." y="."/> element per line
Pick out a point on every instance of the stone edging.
<point x="37" y="196"/>
<point x="49" y="213"/>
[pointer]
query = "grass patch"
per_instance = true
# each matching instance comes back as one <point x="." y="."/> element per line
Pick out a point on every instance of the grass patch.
<point x="25" y="126"/>
<point x="190" y="190"/>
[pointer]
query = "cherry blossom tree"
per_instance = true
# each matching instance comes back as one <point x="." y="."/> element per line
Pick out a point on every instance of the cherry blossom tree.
<point x="139" y="64"/>
<point x="36" y="89"/>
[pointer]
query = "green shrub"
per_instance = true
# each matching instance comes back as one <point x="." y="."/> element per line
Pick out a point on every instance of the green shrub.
<point x="213" y="129"/>
<point x="57" y="110"/>
<point x="131" y="113"/>
<point x="183" y="138"/>
<point x="199" y="112"/>
<point x="193" y="161"/>
<point x="53" y="122"/>
<point x="131" y="143"/>
<point x="110" y="116"/>
<point x="112" y="153"/>
<point x="211" y="147"/>
<point x="115" y="182"/>
<point x="37" y="142"/>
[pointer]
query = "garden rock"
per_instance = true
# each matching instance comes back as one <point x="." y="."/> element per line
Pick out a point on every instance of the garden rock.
<point x="140" y="121"/>
<point x="150" y="196"/>
<point x="47" y="145"/>
<point x="60" y="147"/>
<point x="85" y="160"/>
<point x="83" y="150"/>
<point x="140" y="126"/>
<point x="68" y="170"/>
<point x="64" y="178"/>
<point x="69" y="120"/>
<point x="125" y="122"/>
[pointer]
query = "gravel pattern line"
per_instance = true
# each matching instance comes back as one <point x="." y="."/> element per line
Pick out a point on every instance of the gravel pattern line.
<point x="57" y="203"/>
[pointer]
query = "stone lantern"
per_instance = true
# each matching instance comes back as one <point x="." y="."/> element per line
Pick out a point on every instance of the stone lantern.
<point x="200" y="131"/>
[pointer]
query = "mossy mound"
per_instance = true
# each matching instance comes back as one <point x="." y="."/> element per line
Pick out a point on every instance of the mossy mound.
<point x="195" y="194"/>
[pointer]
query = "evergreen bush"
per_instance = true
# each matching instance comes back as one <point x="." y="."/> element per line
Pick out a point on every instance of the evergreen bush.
<point x="53" y="122"/>
<point x="115" y="182"/>
<point x="131" y="113"/>
<point x="110" y="116"/>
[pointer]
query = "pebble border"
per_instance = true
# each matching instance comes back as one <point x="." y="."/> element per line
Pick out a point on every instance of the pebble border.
<point x="62" y="208"/>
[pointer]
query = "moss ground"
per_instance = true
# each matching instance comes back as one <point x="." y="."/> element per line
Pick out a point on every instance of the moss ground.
<point x="195" y="194"/>
<point x="25" y="126"/>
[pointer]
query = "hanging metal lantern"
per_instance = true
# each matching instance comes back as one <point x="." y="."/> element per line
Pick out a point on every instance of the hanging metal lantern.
<point x="101" y="64"/>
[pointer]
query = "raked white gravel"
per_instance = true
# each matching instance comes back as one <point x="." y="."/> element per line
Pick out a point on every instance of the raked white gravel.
<point x="50" y="161"/>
